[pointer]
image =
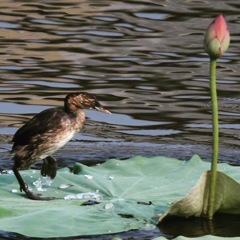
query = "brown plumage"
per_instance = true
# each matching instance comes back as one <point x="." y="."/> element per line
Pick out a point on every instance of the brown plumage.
<point x="48" y="131"/>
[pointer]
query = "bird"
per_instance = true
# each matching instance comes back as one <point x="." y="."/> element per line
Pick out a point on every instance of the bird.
<point x="47" y="132"/>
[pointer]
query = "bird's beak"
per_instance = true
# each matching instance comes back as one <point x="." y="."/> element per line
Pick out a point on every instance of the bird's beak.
<point x="102" y="109"/>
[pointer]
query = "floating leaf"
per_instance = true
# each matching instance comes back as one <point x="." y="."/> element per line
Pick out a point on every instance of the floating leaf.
<point x="126" y="195"/>
<point x="195" y="203"/>
<point x="208" y="237"/>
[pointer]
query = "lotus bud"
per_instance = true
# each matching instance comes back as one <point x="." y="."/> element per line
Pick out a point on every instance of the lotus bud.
<point x="217" y="38"/>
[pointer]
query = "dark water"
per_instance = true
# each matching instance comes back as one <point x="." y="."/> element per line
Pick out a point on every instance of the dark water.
<point x="143" y="59"/>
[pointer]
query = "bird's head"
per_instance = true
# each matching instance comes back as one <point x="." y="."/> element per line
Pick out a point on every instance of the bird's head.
<point x="83" y="100"/>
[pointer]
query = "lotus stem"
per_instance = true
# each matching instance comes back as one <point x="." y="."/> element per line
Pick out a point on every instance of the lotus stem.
<point x="215" y="137"/>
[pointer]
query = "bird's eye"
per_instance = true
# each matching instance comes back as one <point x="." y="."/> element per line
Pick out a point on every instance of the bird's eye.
<point x="96" y="104"/>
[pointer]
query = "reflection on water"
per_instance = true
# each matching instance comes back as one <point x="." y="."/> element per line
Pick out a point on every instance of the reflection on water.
<point x="143" y="59"/>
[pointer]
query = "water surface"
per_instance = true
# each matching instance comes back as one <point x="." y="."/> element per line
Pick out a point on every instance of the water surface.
<point x="145" y="62"/>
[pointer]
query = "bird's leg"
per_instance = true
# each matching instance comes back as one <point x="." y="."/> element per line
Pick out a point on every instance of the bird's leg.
<point x="49" y="167"/>
<point x="24" y="187"/>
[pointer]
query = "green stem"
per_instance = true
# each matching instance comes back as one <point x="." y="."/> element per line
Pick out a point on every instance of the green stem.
<point x="213" y="179"/>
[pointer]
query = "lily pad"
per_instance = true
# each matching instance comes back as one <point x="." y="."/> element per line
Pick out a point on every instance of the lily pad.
<point x="208" y="237"/>
<point x="195" y="203"/>
<point x="116" y="196"/>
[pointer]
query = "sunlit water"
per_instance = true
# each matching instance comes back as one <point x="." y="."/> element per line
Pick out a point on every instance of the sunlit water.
<point x="145" y="62"/>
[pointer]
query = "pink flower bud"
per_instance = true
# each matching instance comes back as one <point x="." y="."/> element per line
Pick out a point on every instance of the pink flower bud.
<point x="217" y="38"/>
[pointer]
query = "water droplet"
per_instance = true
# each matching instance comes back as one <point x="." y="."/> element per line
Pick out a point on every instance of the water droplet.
<point x="7" y="172"/>
<point x="43" y="181"/>
<point x="88" y="176"/>
<point x="65" y="185"/>
<point x="148" y="226"/>
<point x="88" y="195"/>
<point x="108" y="206"/>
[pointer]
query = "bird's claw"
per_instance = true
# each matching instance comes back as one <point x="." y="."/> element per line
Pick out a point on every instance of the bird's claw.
<point x="33" y="196"/>
<point x="49" y="167"/>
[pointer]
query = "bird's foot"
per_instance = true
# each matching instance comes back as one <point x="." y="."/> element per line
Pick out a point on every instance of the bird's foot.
<point x="24" y="187"/>
<point x="33" y="196"/>
<point x="49" y="167"/>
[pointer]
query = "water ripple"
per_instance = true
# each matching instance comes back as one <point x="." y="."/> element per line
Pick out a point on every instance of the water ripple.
<point x="143" y="59"/>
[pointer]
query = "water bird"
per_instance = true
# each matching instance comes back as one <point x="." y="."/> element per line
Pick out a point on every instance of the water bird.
<point x="47" y="132"/>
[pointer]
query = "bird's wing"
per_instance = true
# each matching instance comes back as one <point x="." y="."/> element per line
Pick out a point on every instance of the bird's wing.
<point x="45" y="121"/>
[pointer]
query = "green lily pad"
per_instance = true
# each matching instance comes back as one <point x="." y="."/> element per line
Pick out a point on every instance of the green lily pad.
<point x="125" y="195"/>
<point x="195" y="203"/>
<point x="208" y="237"/>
